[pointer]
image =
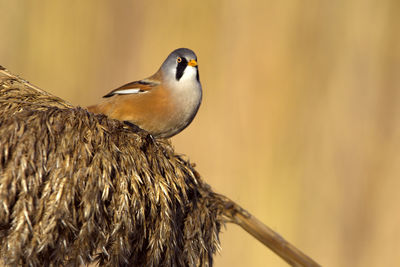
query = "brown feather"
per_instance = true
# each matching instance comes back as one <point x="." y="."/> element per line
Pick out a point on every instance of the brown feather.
<point x="154" y="109"/>
<point x="142" y="86"/>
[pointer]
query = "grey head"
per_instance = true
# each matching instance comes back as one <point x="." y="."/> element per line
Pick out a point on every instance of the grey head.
<point x="181" y="66"/>
<point x="180" y="76"/>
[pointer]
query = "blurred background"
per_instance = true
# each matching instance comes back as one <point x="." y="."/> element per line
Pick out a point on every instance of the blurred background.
<point x="300" y="120"/>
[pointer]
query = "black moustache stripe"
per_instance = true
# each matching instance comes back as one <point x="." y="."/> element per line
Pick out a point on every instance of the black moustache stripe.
<point x="180" y="69"/>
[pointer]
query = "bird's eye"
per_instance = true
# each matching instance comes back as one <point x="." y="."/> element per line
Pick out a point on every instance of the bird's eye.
<point x="179" y="60"/>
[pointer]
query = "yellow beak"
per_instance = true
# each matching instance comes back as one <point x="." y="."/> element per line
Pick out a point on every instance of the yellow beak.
<point x="192" y="63"/>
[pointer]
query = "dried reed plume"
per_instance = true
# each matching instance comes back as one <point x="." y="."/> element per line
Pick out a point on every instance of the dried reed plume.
<point x="78" y="188"/>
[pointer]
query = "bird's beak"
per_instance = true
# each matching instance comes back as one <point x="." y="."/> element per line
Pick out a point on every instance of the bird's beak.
<point x="192" y="63"/>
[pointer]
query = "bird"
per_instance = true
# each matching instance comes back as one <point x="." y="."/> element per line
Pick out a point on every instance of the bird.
<point x="163" y="104"/>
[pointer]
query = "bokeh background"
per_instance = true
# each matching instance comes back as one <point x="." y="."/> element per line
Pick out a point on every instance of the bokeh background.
<point x="300" y="121"/>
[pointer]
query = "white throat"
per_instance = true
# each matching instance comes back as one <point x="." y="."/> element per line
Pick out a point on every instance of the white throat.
<point x="187" y="92"/>
<point x="187" y="83"/>
<point x="189" y="75"/>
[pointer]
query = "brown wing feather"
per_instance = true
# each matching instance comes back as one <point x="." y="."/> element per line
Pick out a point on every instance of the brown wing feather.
<point x="141" y="86"/>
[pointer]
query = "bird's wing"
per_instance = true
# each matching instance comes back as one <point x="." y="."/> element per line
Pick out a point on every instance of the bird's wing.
<point x="136" y="87"/>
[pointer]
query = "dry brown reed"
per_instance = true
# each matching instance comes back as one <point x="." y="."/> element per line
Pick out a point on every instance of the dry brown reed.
<point x="77" y="188"/>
